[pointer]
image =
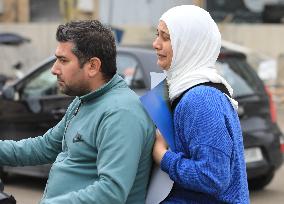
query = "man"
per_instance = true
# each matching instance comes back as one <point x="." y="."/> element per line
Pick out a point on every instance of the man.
<point x="101" y="149"/>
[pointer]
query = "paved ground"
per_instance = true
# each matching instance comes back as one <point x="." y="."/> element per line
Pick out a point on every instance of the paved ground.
<point x="29" y="190"/>
<point x="273" y="193"/>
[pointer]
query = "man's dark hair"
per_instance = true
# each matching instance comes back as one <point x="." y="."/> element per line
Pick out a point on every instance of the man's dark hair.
<point x="91" y="39"/>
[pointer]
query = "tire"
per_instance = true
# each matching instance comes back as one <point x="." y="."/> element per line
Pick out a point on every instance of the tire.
<point x="260" y="182"/>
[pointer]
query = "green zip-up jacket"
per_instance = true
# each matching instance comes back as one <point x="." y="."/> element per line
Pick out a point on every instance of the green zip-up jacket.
<point x="101" y="149"/>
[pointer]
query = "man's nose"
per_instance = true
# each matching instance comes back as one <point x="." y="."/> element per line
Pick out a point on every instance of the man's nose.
<point x="54" y="69"/>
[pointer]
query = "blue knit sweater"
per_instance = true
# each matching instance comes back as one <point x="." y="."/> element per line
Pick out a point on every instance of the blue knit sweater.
<point x="208" y="165"/>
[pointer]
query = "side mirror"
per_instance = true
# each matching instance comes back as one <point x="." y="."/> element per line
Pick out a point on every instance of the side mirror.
<point x="9" y="93"/>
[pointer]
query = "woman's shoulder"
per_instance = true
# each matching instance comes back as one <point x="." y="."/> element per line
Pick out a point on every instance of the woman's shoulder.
<point x="202" y="94"/>
<point x="202" y="98"/>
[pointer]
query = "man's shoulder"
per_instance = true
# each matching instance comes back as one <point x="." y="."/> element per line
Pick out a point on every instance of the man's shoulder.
<point x="122" y="98"/>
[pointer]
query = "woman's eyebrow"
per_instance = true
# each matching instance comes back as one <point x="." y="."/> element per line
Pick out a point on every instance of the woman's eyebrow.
<point x="167" y="34"/>
<point x="163" y="32"/>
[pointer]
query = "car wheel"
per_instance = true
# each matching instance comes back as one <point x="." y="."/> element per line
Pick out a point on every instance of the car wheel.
<point x="3" y="175"/>
<point x="260" y="182"/>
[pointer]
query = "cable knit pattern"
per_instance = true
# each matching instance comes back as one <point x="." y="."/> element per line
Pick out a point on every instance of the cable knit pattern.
<point x="208" y="165"/>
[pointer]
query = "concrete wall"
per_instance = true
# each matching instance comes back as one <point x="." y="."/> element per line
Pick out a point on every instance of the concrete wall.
<point x="142" y="12"/>
<point x="264" y="38"/>
<point x="42" y="35"/>
<point x="42" y="45"/>
<point x="267" y="39"/>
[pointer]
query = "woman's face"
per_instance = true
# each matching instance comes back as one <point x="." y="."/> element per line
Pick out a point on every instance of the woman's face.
<point x="162" y="45"/>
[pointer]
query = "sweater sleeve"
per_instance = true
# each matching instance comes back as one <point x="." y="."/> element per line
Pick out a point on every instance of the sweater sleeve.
<point x="201" y="127"/>
<point x="33" y="151"/>
<point x="120" y="143"/>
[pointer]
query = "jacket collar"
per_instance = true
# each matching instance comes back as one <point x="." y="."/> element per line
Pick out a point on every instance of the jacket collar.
<point x="115" y="82"/>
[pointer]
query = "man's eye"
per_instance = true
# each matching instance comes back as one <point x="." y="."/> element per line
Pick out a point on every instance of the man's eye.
<point x="63" y="60"/>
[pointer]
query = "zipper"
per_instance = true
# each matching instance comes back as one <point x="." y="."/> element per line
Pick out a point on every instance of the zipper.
<point x="64" y="145"/>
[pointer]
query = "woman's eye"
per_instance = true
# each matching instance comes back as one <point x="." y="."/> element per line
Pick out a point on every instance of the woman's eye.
<point x="166" y="37"/>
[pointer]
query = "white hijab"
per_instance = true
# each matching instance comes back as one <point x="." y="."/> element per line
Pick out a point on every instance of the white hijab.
<point x="196" y="43"/>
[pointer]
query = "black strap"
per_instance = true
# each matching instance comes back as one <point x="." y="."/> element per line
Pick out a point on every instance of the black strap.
<point x="221" y="87"/>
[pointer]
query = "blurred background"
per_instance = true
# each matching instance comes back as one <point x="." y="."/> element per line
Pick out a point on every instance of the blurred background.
<point x="253" y="27"/>
<point x="256" y="26"/>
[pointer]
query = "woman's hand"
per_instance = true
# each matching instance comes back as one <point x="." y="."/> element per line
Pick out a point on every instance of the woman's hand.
<point x="160" y="148"/>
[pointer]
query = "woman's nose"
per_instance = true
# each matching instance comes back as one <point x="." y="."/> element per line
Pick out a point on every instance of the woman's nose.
<point x="156" y="44"/>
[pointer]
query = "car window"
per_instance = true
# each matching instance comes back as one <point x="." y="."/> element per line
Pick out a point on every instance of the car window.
<point x="41" y="84"/>
<point x="130" y="70"/>
<point x="236" y="72"/>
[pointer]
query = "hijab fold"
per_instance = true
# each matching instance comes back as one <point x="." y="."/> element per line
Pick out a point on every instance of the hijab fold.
<point x="196" y="43"/>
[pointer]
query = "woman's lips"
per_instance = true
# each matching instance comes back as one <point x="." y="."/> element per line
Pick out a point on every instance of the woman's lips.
<point x="161" y="56"/>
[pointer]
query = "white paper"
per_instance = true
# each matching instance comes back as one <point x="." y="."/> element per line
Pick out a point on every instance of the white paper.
<point x="156" y="78"/>
<point x="159" y="187"/>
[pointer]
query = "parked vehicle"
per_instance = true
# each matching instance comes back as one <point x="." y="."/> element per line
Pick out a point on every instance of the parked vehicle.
<point x="33" y="104"/>
<point x="257" y="113"/>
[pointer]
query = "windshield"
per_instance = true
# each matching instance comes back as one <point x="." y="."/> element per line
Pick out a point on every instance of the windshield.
<point x="239" y="75"/>
<point x="41" y="84"/>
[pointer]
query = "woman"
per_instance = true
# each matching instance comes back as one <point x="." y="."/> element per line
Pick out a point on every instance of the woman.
<point x="208" y="165"/>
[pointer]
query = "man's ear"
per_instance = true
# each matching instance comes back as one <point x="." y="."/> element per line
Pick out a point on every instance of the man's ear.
<point x="95" y="66"/>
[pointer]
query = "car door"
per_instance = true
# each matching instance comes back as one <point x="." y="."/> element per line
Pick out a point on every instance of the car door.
<point x="36" y="105"/>
<point x="131" y="70"/>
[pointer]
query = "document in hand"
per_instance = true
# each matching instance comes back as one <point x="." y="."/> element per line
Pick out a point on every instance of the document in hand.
<point x="156" y="103"/>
